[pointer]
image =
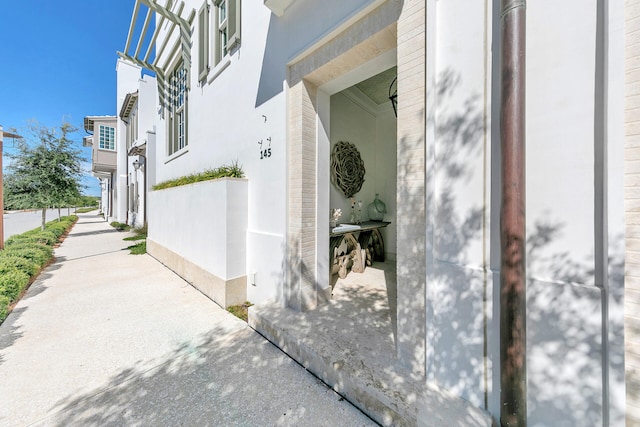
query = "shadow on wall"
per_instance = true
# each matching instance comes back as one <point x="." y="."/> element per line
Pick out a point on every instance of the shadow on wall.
<point x="273" y="70"/>
<point x="411" y="245"/>
<point x="565" y="352"/>
<point x="565" y="334"/>
<point x="458" y="298"/>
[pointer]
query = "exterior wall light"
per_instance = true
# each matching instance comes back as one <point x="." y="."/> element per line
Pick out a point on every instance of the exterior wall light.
<point x="393" y="95"/>
<point x="137" y="163"/>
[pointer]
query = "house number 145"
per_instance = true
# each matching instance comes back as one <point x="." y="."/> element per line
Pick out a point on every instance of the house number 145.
<point x="265" y="148"/>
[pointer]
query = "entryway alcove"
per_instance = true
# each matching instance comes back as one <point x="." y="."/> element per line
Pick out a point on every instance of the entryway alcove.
<point x="349" y="339"/>
<point x="363" y="116"/>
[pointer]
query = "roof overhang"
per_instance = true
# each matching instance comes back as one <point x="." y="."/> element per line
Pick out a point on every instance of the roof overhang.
<point x="130" y="101"/>
<point x="138" y="149"/>
<point x="89" y="122"/>
<point x="102" y="175"/>
<point x="278" y="6"/>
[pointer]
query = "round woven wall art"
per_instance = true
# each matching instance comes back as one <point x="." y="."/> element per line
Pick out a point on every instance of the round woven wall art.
<point x="347" y="168"/>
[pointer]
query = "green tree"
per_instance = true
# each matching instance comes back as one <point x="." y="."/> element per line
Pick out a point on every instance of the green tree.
<point x="88" y="201"/>
<point x="45" y="172"/>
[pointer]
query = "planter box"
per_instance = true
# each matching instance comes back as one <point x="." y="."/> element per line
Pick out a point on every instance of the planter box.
<point x="199" y="231"/>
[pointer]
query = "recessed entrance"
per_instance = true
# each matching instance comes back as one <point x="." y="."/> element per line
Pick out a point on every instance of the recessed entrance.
<point x="350" y="339"/>
<point x="362" y="115"/>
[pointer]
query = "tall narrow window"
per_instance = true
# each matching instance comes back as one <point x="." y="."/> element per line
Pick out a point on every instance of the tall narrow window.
<point x="203" y="41"/>
<point x="132" y="128"/>
<point x="228" y="27"/>
<point x="222" y="28"/>
<point x="107" y="138"/>
<point x="177" y="131"/>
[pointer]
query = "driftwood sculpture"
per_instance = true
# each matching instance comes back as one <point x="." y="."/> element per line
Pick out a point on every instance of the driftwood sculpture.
<point x="347" y="168"/>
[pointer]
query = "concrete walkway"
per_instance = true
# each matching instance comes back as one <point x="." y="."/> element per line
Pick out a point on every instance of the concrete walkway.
<point x="107" y="338"/>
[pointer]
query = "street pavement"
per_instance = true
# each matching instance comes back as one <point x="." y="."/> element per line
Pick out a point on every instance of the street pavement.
<point x="108" y="338"/>
<point x="17" y="222"/>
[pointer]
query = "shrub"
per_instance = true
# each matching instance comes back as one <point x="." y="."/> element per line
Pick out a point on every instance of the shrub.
<point x="138" y="248"/>
<point x="4" y="307"/>
<point x="39" y="254"/>
<point x="9" y="262"/>
<point x="23" y="257"/>
<point x="58" y="228"/>
<point x="46" y="237"/>
<point x="135" y="237"/>
<point x="12" y="282"/>
<point x="228" y="171"/>
<point x="86" y="210"/>
<point x="120" y="226"/>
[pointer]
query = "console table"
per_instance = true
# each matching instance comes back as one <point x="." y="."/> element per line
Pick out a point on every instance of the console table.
<point x="369" y="240"/>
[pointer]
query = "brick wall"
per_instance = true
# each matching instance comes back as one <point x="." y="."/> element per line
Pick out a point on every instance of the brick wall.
<point x="301" y="253"/>
<point x="632" y="210"/>
<point x="411" y="186"/>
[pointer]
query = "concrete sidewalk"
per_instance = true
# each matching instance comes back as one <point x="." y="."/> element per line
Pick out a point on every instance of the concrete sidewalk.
<point x="107" y="338"/>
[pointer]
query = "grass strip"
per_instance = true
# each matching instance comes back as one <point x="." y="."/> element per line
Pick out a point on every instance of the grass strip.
<point x="241" y="311"/>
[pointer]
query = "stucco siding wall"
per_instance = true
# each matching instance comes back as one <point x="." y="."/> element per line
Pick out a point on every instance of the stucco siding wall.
<point x="573" y="209"/>
<point x="460" y="289"/>
<point x="564" y="305"/>
<point x="206" y="224"/>
<point x="128" y="76"/>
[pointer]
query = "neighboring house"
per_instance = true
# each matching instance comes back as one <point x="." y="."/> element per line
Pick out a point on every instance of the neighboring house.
<point x="136" y="122"/>
<point x="119" y="147"/>
<point x="276" y="85"/>
<point x="102" y="140"/>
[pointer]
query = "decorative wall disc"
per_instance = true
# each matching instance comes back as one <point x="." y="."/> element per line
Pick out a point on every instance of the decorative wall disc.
<point x="347" y="168"/>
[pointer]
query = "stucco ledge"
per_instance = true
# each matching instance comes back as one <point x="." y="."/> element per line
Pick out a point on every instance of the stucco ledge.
<point x="224" y="292"/>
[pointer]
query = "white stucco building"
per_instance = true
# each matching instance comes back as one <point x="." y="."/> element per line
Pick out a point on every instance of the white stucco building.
<point x="137" y="100"/>
<point x="119" y="146"/>
<point x="102" y="140"/>
<point x="274" y="85"/>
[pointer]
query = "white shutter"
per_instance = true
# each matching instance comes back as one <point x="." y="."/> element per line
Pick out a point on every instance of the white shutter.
<point x="203" y="41"/>
<point x="233" y="24"/>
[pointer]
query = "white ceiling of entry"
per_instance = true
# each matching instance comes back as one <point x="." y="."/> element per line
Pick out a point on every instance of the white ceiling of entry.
<point x="377" y="87"/>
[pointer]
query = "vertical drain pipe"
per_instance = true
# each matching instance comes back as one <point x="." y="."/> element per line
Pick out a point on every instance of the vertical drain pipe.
<point x="513" y="338"/>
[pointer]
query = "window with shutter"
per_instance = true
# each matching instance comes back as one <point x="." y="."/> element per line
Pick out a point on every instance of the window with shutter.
<point x="227" y="20"/>
<point x="203" y="41"/>
<point x="177" y="119"/>
<point x="233" y="25"/>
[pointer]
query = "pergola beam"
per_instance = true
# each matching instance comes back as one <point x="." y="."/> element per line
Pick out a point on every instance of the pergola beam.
<point x="152" y="43"/>
<point x="162" y="11"/>
<point x="145" y="27"/>
<point x="184" y="41"/>
<point x="134" y="18"/>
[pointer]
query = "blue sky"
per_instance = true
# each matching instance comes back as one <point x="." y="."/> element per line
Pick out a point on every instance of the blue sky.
<point x="59" y="60"/>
